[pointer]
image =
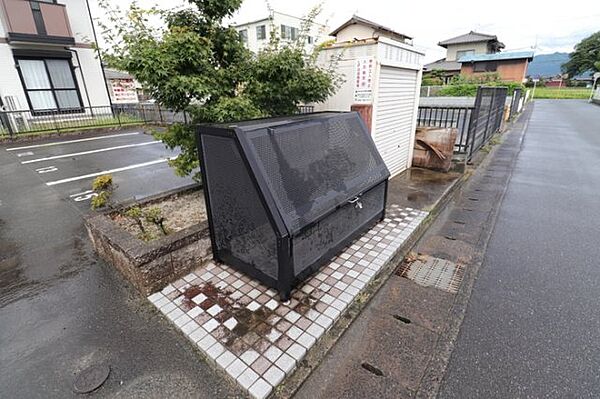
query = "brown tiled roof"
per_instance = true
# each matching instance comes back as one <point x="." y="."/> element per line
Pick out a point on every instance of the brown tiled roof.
<point x="359" y="20"/>
<point x="471" y="37"/>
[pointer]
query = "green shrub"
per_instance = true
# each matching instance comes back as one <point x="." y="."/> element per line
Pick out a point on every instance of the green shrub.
<point x="470" y="89"/>
<point x="103" y="185"/>
<point x="104" y="182"/>
<point x="459" y="90"/>
<point x="432" y="82"/>
<point x="101" y="200"/>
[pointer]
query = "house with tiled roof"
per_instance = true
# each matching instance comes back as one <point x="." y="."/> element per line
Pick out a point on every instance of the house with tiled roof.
<point x="469" y="44"/>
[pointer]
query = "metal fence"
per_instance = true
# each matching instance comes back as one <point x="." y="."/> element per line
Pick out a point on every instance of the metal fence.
<point x="14" y="123"/>
<point x="452" y="117"/>
<point x="476" y="125"/>
<point x="516" y="104"/>
<point x="486" y="119"/>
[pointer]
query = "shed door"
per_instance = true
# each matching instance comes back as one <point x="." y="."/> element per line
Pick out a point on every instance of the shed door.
<point x="395" y="109"/>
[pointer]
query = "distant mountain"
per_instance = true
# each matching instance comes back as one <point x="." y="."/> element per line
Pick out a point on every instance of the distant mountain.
<point x="547" y="65"/>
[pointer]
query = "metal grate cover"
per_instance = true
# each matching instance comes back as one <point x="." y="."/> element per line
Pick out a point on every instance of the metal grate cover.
<point x="433" y="272"/>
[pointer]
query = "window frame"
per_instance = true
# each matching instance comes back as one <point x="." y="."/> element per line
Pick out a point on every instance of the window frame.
<point x="485" y="66"/>
<point x="52" y="89"/>
<point x="244" y="35"/>
<point x="261" y="32"/>
<point x="468" y="51"/>
<point x="292" y="30"/>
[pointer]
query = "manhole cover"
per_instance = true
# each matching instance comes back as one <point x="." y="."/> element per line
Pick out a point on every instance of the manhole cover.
<point x="433" y="272"/>
<point x="91" y="379"/>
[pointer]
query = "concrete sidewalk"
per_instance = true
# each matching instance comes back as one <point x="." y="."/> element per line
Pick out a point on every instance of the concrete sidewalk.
<point x="400" y="344"/>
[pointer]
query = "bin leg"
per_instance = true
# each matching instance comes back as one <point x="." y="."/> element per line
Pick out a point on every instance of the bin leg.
<point x="285" y="294"/>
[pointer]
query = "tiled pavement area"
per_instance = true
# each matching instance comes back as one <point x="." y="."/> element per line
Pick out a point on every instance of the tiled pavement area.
<point x="240" y="325"/>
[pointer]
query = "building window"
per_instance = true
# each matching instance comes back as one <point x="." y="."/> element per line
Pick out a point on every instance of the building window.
<point x="244" y="35"/>
<point x="289" y="32"/>
<point x="462" y="53"/>
<point x="50" y="85"/>
<point x="489" y="66"/>
<point x="261" y="32"/>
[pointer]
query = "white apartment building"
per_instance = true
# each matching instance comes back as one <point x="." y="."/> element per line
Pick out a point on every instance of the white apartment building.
<point x="47" y="63"/>
<point x="256" y="34"/>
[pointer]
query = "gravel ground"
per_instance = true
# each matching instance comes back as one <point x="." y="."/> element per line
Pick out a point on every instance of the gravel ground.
<point x="180" y="211"/>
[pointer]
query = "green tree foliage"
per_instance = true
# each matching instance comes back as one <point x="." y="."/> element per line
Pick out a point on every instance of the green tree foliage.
<point x="433" y="78"/>
<point x="189" y="61"/>
<point x="586" y="56"/>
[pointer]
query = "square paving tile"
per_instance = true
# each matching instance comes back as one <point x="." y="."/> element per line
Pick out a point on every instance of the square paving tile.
<point x="241" y="325"/>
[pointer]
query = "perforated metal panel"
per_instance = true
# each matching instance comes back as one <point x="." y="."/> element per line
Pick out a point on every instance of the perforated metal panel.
<point x="312" y="166"/>
<point x="285" y="195"/>
<point x="240" y="223"/>
<point x="336" y="228"/>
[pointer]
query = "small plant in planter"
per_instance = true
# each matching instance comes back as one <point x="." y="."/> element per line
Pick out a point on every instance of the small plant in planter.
<point x="135" y="213"/>
<point x="154" y="215"/>
<point x="103" y="186"/>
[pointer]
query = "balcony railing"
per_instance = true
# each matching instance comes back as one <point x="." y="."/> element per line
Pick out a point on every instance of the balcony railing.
<point x="37" y="22"/>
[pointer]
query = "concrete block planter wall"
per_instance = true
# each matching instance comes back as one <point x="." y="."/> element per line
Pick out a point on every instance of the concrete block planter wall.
<point x="149" y="266"/>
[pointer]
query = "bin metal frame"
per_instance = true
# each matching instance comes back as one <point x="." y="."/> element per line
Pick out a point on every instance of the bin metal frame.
<point x="286" y="279"/>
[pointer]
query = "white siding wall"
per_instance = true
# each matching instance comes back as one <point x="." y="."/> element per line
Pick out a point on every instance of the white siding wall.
<point x="10" y="83"/>
<point x="80" y="21"/>
<point x="317" y="31"/>
<point x="342" y="100"/>
<point x="355" y="31"/>
<point x="394" y="116"/>
<point x="479" y="48"/>
<point x="94" y="78"/>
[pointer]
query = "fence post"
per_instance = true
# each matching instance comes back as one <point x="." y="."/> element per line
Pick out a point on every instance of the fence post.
<point x="489" y="117"/>
<point x="55" y="122"/>
<point x="5" y="121"/>
<point x="118" y="115"/>
<point x="473" y="124"/>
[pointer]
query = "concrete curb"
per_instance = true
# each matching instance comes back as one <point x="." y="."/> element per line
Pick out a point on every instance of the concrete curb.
<point x="432" y="380"/>
<point x="318" y="353"/>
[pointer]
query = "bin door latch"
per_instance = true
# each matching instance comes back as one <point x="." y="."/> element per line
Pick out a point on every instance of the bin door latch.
<point x="357" y="202"/>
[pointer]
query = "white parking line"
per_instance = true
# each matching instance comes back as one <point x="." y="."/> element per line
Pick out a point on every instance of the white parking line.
<point x="83" y="193"/>
<point x="71" y="141"/>
<point x="47" y="169"/>
<point x="90" y="152"/>
<point x="139" y="165"/>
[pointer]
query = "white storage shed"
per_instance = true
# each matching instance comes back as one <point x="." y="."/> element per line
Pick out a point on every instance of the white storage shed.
<point x="382" y="80"/>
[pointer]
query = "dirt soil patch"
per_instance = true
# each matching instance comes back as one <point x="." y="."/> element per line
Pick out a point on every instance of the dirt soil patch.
<point x="179" y="210"/>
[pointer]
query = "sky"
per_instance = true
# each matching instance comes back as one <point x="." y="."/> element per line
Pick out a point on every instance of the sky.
<point x="520" y="25"/>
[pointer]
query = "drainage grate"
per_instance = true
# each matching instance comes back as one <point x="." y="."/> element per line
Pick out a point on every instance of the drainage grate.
<point x="433" y="272"/>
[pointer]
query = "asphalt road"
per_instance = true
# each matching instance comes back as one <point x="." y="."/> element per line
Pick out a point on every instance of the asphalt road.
<point x="61" y="308"/>
<point x="532" y="328"/>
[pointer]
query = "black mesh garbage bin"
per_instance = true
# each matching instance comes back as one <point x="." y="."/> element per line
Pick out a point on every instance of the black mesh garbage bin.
<point x="285" y="195"/>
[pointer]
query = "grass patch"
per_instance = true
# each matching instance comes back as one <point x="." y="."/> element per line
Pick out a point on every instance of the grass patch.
<point x="571" y="93"/>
